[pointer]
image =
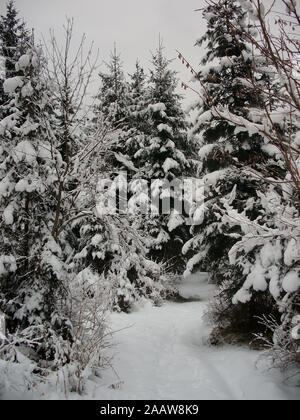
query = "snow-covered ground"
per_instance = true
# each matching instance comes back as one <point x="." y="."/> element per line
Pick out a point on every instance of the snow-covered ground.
<point x="161" y="353"/>
<point x="196" y="286"/>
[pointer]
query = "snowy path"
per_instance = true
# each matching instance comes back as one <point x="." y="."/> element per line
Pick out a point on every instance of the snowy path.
<point x="160" y="354"/>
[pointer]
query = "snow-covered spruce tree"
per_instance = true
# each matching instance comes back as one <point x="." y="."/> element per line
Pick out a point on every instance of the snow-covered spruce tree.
<point x="164" y="157"/>
<point x="14" y="41"/>
<point x="31" y="287"/>
<point x="107" y="252"/>
<point x="138" y="118"/>
<point x="52" y="319"/>
<point x="114" y="106"/>
<point x="224" y="150"/>
<point x="68" y="77"/>
<point x="113" y="94"/>
<point x="113" y="255"/>
<point x="110" y="251"/>
<point x="138" y="99"/>
<point x="267" y="249"/>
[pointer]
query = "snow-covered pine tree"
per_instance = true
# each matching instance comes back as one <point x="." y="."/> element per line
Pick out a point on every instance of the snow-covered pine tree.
<point x="224" y="151"/>
<point x="112" y="255"/>
<point x="32" y="268"/>
<point x="41" y="192"/>
<point x="138" y="99"/>
<point x="14" y="41"/>
<point x="267" y="248"/>
<point x="164" y="157"/>
<point x="114" y="106"/>
<point x="138" y="116"/>
<point x="167" y="143"/>
<point x="113" y="95"/>
<point x="108" y="254"/>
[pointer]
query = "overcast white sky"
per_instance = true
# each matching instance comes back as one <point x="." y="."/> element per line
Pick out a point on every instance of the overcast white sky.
<point x="134" y="25"/>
